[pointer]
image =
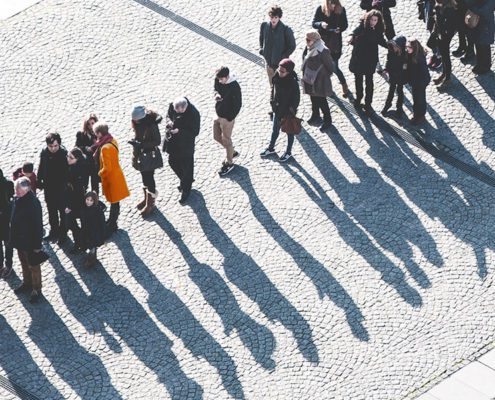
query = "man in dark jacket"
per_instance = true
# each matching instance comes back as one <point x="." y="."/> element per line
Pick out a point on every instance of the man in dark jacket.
<point x="285" y="100"/>
<point x="384" y="7"/>
<point x="182" y="129"/>
<point x="26" y="232"/>
<point x="276" y="41"/>
<point x="483" y="33"/>
<point x="228" y="104"/>
<point x="52" y="177"/>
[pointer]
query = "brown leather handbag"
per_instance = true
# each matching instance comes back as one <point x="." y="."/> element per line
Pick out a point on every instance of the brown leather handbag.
<point x="291" y="125"/>
<point x="471" y="19"/>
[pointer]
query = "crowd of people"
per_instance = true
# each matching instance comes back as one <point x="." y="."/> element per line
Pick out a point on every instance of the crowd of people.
<point x="65" y="176"/>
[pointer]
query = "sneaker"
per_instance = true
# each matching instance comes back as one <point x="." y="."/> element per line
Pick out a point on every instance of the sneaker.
<point x="285" y="157"/>
<point x="34" y="297"/>
<point x="267" y="152"/>
<point x="22" y="288"/>
<point x="236" y="154"/>
<point x="226" y="168"/>
<point x="6" y="272"/>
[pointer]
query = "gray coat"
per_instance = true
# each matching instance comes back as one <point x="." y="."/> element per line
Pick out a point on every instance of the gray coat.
<point x="276" y="44"/>
<point x="484" y="33"/>
<point x="322" y="86"/>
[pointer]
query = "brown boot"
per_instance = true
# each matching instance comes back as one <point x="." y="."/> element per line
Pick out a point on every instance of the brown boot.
<point x="150" y="203"/>
<point x="142" y="203"/>
<point x="345" y="90"/>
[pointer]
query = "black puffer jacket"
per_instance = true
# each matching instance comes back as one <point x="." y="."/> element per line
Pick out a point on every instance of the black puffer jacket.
<point x="285" y="95"/>
<point x="26" y="224"/>
<point x="397" y="64"/>
<point x="188" y="123"/>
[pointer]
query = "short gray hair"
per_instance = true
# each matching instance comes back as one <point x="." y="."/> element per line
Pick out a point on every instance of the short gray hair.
<point x="24" y="183"/>
<point x="101" y="127"/>
<point x="180" y="102"/>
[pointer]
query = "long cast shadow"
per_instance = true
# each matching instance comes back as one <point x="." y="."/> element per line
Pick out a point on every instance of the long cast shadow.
<point x="319" y="274"/>
<point x="20" y="367"/>
<point x="176" y="316"/>
<point x="243" y="272"/>
<point x="112" y="308"/>
<point x="256" y="337"/>
<point x="356" y="235"/>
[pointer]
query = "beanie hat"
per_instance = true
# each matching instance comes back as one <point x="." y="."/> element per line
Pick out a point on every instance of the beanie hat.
<point x="287" y="63"/>
<point x="313" y="36"/>
<point x="138" y="113"/>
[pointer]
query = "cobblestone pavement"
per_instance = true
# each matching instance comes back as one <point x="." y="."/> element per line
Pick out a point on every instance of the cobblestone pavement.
<point x="363" y="269"/>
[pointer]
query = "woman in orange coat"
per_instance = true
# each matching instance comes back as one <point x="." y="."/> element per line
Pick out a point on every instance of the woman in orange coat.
<point x="106" y="155"/>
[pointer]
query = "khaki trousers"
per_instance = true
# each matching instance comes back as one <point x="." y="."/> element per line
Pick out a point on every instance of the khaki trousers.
<point x="222" y="133"/>
<point x="31" y="274"/>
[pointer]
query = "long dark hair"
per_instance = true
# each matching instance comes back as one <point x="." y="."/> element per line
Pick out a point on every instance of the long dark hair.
<point x="380" y="25"/>
<point x="417" y="50"/>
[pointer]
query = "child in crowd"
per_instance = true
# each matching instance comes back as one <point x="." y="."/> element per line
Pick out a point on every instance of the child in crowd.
<point x="27" y="170"/>
<point x="92" y="227"/>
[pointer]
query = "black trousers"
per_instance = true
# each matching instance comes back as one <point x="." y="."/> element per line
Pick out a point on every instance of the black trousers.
<point x="419" y="100"/>
<point x="483" y="56"/>
<point x="73" y="226"/>
<point x="394" y="86"/>
<point x="149" y="180"/>
<point x="320" y="103"/>
<point x="369" y="87"/>
<point x="114" y="214"/>
<point x="444" y="47"/>
<point x="183" y="166"/>
<point x="56" y="211"/>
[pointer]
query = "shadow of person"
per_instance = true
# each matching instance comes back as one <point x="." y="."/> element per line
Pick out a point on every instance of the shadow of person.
<point x="110" y="310"/>
<point x="243" y="272"/>
<point x="439" y="199"/>
<point x="20" y="367"/>
<point x="81" y="370"/>
<point x="169" y="309"/>
<point x="257" y="338"/>
<point x="319" y="274"/>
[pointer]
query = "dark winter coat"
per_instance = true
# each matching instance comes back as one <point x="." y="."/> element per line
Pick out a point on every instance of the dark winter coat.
<point x="365" y="49"/>
<point x="181" y="144"/>
<point x="447" y="22"/>
<point x="384" y="8"/>
<point x="6" y="194"/>
<point x="332" y="40"/>
<point x="26" y="223"/>
<point x="85" y="139"/>
<point x="418" y="74"/>
<point x="285" y="94"/>
<point x="92" y="226"/>
<point x="76" y="187"/>
<point x="231" y="102"/>
<point x="276" y="44"/>
<point x="484" y="33"/>
<point x="397" y="64"/>
<point x="322" y="87"/>
<point x="147" y="133"/>
<point x="53" y="170"/>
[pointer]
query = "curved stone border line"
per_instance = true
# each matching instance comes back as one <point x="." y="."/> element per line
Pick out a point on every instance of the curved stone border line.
<point x="418" y="142"/>
<point x="16" y="390"/>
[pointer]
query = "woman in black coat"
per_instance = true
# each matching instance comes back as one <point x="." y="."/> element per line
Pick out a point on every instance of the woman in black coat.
<point x="76" y="188"/>
<point x="6" y="195"/>
<point x="84" y="140"/>
<point x="365" y="39"/>
<point x="396" y="68"/>
<point x="331" y="20"/>
<point x="146" y="156"/>
<point x="418" y="77"/>
<point x="92" y="227"/>
<point x="447" y="21"/>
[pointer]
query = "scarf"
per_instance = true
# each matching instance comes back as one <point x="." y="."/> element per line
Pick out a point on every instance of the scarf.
<point x="318" y="47"/>
<point x="99" y="143"/>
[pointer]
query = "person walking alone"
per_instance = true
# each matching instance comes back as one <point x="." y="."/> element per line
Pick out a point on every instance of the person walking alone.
<point x="146" y="155"/>
<point x="228" y="99"/>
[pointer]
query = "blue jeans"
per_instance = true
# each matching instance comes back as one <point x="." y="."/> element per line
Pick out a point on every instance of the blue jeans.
<point x="276" y="132"/>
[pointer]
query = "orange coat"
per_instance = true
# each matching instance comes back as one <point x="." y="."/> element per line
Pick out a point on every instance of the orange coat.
<point x="112" y="178"/>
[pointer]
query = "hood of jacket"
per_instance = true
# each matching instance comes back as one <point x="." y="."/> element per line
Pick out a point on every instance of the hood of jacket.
<point x="401" y="42"/>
